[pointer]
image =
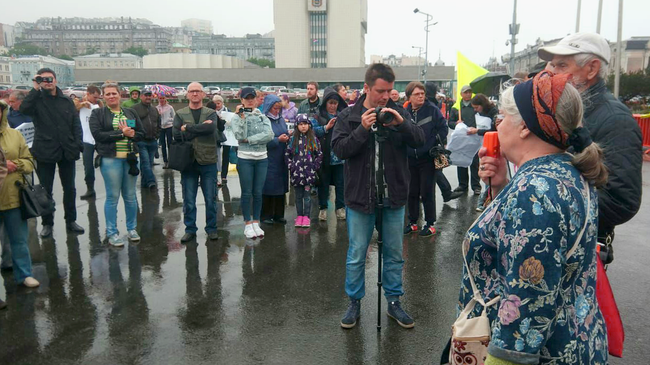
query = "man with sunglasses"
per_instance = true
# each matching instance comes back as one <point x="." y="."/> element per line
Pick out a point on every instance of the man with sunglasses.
<point x="57" y="141"/>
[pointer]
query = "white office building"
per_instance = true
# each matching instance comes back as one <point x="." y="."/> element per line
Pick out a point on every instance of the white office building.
<point x="320" y="33"/>
<point x="108" y="60"/>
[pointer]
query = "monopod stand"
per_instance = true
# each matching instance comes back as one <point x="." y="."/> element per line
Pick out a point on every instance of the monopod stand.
<point x="379" y="217"/>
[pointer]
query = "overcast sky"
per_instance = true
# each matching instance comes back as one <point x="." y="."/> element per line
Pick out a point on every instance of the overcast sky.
<point x="477" y="28"/>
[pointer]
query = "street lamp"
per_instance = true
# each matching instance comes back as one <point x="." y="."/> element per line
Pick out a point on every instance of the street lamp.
<point x="426" y="46"/>
<point x="419" y="59"/>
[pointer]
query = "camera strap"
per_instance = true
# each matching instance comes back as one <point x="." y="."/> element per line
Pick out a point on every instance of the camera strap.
<point x="382" y="177"/>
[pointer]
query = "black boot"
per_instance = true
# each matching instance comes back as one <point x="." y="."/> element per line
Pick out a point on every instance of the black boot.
<point x="90" y="193"/>
<point x="74" y="227"/>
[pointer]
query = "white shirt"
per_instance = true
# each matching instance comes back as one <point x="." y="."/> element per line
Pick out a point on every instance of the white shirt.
<point x="84" y="115"/>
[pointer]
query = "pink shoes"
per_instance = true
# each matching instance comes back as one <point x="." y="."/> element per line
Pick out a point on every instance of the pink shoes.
<point x="302" y="221"/>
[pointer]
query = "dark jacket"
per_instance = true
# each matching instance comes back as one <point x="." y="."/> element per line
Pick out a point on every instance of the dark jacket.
<point x="612" y="126"/>
<point x="433" y="124"/>
<point x="101" y="126"/>
<point x="17" y="118"/>
<point x="150" y="120"/>
<point x="203" y="136"/>
<point x="325" y="137"/>
<point x="57" y="128"/>
<point x="466" y="112"/>
<point x="306" y="108"/>
<point x="492" y="114"/>
<point x="353" y="143"/>
<point x="277" y="174"/>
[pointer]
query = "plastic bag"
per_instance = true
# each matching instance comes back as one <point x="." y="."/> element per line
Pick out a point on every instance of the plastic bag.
<point x="463" y="146"/>
<point x="483" y="122"/>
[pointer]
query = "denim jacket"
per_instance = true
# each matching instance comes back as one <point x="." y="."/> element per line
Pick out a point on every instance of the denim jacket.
<point x="255" y="128"/>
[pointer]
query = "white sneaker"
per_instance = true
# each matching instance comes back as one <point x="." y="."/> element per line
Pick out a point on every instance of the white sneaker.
<point x="258" y="230"/>
<point x="322" y="215"/>
<point x="249" y="231"/>
<point x="30" y="282"/>
<point x="340" y="213"/>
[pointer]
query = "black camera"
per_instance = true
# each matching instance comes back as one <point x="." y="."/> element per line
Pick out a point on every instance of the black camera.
<point x="245" y="110"/>
<point x="132" y="160"/>
<point x="383" y="118"/>
<point x="40" y="79"/>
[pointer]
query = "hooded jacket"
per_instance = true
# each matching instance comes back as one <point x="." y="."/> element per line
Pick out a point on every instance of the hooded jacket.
<point x="15" y="149"/>
<point x="130" y="103"/>
<point x="612" y="126"/>
<point x="150" y="120"/>
<point x="57" y="128"/>
<point x="433" y="124"/>
<point x="356" y="145"/>
<point x="322" y="118"/>
<point x="277" y="175"/>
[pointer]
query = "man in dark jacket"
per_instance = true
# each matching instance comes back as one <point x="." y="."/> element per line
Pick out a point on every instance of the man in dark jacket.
<point x="57" y="141"/>
<point x="353" y="142"/>
<point x="15" y="117"/>
<point x="149" y="145"/>
<point x="610" y="124"/>
<point x="466" y="115"/>
<point x="441" y="179"/>
<point x="198" y="124"/>
<point x="423" y="174"/>
<point x="331" y="169"/>
<point x="310" y="105"/>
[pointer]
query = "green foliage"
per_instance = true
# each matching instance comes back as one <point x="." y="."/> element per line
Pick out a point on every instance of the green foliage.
<point x="138" y="51"/>
<point x="65" y="57"/>
<point x="26" y="49"/>
<point x="632" y="84"/>
<point x="262" y="62"/>
<point x="89" y="51"/>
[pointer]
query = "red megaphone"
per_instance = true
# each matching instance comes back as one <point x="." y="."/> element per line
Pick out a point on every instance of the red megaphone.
<point x="491" y="142"/>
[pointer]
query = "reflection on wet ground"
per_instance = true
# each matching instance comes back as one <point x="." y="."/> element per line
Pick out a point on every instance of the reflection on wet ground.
<point x="271" y="301"/>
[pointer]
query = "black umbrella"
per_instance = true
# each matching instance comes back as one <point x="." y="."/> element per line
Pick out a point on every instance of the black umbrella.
<point x="489" y="84"/>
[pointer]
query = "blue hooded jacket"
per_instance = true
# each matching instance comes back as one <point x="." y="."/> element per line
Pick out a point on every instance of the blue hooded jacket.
<point x="277" y="175"/>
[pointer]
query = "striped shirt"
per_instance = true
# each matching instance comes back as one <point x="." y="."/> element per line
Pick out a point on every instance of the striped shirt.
<point x="121" y="146"/>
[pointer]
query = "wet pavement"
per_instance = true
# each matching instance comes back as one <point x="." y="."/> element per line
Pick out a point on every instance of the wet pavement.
<point x="273" y="301"/>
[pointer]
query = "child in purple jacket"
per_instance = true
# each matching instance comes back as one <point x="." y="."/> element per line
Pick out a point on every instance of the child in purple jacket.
<point x="304" y="157"/>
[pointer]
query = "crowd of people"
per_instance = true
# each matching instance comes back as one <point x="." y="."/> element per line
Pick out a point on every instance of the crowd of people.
<point x="578" y="177"/>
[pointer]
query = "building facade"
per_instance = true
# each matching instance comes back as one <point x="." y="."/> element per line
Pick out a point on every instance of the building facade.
<point x="7" y="36"/>
<point x="394" y="61"/>
<point x="191" y="61"/>
<point x="77" y="36"/>
<point x="109" y="60"/>
<point x="249" y="46"/>
<point x="198" y="25"/>
<point x="635" y="56"/>
<point x="5" y="71"/>
<point x="24" y="68"/>
<point x="310" y="33"/>
<point x="525" y="60"/>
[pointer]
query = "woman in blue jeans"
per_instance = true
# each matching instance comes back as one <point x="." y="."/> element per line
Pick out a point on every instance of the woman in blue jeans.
<point x="116" y="131"/>
<point x="19" y="163"/>
<point x="253" y="131"/>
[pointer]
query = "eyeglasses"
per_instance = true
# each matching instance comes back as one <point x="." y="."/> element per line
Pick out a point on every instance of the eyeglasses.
<point x="194" y="91"/>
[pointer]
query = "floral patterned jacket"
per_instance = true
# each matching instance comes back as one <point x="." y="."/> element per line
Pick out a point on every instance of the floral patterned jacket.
<point x="548" y="313"/>
<point x="304" y="165"/>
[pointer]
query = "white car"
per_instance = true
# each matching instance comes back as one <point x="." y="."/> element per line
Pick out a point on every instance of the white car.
<point x="211" y="91"/>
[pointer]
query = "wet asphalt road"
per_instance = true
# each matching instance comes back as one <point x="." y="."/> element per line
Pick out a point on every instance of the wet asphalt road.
<point x="273" y="301"/>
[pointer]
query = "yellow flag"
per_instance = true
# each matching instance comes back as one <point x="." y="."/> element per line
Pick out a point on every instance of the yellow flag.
<point x="467" y="72"/>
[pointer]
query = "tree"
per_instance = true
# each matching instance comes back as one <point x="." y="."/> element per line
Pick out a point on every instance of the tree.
<point x="89" y="51"/>
<point x="65" y="57"/>
<point x="26" y="49"/>
<point x="138" y="51"/>
<point x="632" y="84"/>
<point x="262" y="62"/>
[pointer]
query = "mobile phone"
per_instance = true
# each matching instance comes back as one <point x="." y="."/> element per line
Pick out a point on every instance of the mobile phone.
<point x="130" y="123"/>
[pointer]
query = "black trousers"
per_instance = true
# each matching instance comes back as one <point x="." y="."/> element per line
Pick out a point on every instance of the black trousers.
<point x="422" y="185"/>
<point x="45" y="172"/>
<point x="225" y="160"/>
<point x="463" y="176"/>
<point x="272" y="206"/>
<point x="89" y="165"/>
<point x="443" y="184"/>
<point x="165" y="142"/>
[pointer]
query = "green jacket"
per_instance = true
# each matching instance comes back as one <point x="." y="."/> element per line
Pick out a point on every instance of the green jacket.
<point x="15" y="149"/>
<point x="130" y="103"/>
<point x="202" y="135"/>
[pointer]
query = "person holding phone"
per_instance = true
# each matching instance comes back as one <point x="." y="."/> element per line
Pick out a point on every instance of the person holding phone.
<point x="253" y="131"/>
<point x="116" y="131"/>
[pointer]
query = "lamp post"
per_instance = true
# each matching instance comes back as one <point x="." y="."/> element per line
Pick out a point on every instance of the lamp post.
<point x="426" y="45"/>
<point x="419" y="59"/>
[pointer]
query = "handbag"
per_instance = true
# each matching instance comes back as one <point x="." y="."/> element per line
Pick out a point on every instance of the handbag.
<point x="470" y="337"/>
<point x="607" y="304"/>
<point x="181" y="154"/>
<point x="440" y="155"/>
<point x="34" y="200"/>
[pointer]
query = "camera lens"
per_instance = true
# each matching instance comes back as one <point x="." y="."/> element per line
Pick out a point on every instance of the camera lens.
<point x="38" y="79"/>
<point x="384" y="117"/>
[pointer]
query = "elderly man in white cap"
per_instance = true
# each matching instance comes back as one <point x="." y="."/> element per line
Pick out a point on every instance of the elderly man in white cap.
<point x="610" y="124"/>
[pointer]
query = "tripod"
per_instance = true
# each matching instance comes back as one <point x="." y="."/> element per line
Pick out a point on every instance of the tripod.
<point x="381" y="135"/>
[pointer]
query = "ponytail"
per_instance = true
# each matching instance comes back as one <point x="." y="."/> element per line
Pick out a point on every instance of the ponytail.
<point x="590" y="164"/>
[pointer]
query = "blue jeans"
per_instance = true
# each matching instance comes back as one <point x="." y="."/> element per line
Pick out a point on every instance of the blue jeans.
<point x="147" y="150"/>
<point x="303" y="200"/>
<point x="360" y="229"/>
<point x="190" y="183"/>
<point x="331" y="175"/>
<point x="17" y="234"/>
<point x="118" y="181"/>
<point x="252" y="174"/>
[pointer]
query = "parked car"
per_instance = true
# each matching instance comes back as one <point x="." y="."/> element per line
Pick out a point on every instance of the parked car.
<point x="22" y="88"/>
<point x="288" y="92"/>
<point x="211" y="91"/>
<point x="228" y="92"/>
<point x="77" y="91"/>
<point x="271" y="89"/>
<point x="301" y="93"/>
<point x="181" y="91"/>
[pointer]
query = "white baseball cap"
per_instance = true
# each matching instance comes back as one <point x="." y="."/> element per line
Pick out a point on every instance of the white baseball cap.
<point x="576" y="44"/>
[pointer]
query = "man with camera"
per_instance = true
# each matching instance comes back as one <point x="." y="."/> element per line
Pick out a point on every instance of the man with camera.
<point x="198" y="125"/>
<point x="57" y="141"/>
<point x="358" y="133"/>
